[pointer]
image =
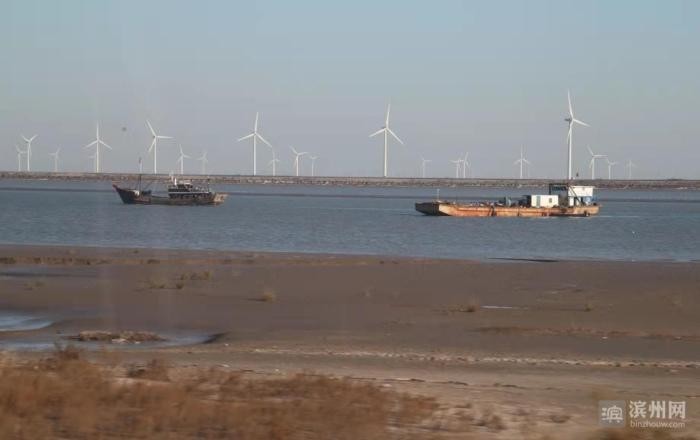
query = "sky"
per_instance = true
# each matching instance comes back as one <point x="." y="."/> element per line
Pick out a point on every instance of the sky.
<point x="484" y="77"/>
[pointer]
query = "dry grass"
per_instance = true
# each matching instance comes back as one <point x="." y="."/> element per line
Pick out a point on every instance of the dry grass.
<point x="198" y="276"/>
<point x="268" y="295"/>
<point x="472" y="306"/>
<point x="156" y="369"/>
<point x="157" y="283"/>
<point x="492" y="421"/>
<point x="66" y="396"/>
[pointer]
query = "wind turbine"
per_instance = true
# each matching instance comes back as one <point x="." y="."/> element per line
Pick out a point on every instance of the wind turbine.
<point x="204" y="160"/>
<point x="610" y="165"/>
<point x="423" y="161"/>
<point x="569" y="137"/>
<point x="522" y="161"/>
<point x="458" y="164"/>
<point x="97" y="142"/>
<point x="297" y="155"/>
<point x="19" y="158"/>
<point x="465" y="165"/>
<point x="255" y="135"/>
<point x="28" y="150"/>
<point x="591" y="165"/>
<point x="154" y="145"/>
<point x="181" y="160"/>
<point x="55" y="159"/>
<point x="387" y="131"/>
<point x="313" y="164"/>
<point x="629" y="167"/>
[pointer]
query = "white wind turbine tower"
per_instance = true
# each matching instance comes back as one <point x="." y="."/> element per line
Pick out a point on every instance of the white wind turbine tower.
<point x="522" y="161"/>
<point x="610" y="165"/>
<point x="55" y="159"/>
<point x="569" y="137"/>
<point x="28" y="150"/>
<point x="458" y="164"/>
<point x="204" y="160"/>
<point x="181" y="160"/>
<point x="629" y="167"/>
<point x="423" y="162"/>
<point x="19" y="158"/>
<point x="591" y="165"/>
<point x="274" y="163"/>
<point x="297" y="155"/>
<point x="387" y="131"/>
<point x="94" y="159"/>
<point x="154" y="145"/>
<point x="97" y="142"/>
<point x="466" y="164"/>
<point x="313" y="165"/>
<point x="255" y="135"/>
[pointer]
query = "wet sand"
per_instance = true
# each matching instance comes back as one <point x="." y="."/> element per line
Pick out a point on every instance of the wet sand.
<point x="533" y="341"/>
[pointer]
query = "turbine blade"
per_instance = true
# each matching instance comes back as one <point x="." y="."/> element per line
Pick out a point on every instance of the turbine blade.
<point x="153" y="144"/>
<point x="571" y="110"/>
<point x="580" y="122"/>
<point x="590" y="151"/>
<point x="106" y="145"/>
<point x="388" y="111"/>
<point x="90" y="144"/>
<point x="377" y="132"/>
<point x="246" y="137"/>
<point x="395" y="137"/>
<point x="164" y="137"/>
<point x="263" y="139"/>
<point x="150" y="127"/>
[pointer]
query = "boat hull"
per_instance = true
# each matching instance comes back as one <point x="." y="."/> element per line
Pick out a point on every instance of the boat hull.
<point x="135" y="197"/>
<point x="484" y="210"/>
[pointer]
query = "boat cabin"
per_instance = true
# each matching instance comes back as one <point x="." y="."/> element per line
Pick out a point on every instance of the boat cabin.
<point x="572" y="195"/>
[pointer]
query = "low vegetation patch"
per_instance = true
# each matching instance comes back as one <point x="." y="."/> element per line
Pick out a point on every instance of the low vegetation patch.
<point x="197" y="276"/>
<point x="268" y="295"/>
<point x="69" y="397"/>
<point x="123" y="337"/>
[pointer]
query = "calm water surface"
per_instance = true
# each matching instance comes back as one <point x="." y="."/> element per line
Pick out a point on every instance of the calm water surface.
<point x="634" y="225"/>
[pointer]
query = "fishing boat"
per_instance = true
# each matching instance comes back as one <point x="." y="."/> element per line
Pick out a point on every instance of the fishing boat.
<point x="562" y="200"/>
<point x="179" y="193"/>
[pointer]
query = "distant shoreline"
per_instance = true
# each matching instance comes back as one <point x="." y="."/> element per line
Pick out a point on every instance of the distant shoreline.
<point x="443" y="182"/>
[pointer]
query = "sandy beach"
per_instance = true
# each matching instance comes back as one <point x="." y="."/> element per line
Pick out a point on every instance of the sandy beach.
<point x="537" y="343"/>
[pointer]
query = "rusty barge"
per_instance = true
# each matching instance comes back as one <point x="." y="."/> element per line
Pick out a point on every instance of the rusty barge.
<point x="562" y="200"/>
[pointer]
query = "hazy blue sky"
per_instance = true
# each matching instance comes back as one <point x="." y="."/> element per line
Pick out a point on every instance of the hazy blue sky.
<point x="477" y="76"/>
